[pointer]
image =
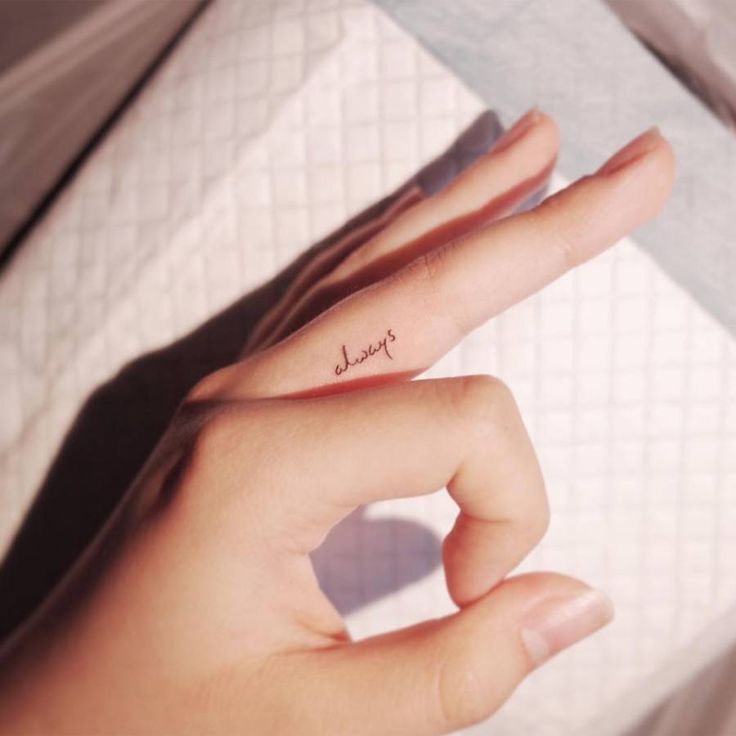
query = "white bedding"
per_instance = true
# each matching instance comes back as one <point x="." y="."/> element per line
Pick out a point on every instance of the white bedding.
<point x="270" y="124"/>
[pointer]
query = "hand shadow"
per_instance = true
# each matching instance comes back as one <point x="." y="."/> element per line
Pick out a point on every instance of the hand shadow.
<point x="121" y="421"/>
<point x="363" y="559"/>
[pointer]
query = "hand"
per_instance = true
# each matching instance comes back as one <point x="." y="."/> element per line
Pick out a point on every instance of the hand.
<point x="197" y="610"/>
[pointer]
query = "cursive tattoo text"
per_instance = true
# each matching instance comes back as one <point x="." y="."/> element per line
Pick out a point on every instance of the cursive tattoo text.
<point x="365" y="353"/>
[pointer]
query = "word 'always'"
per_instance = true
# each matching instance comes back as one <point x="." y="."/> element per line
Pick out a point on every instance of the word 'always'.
<point x="365" y="353"/>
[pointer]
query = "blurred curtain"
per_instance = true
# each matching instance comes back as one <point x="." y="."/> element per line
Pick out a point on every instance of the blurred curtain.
<point x="65" y="67"/>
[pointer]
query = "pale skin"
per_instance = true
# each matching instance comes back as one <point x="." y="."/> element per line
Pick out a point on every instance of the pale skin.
<point x="198" y="611"/>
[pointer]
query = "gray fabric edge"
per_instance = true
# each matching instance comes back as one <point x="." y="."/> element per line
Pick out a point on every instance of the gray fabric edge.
<point x="580" y="64"/>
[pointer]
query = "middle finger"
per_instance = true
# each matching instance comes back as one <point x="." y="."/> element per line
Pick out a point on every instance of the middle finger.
<point x="517" y="165"/>
<point x="401" y="325"/>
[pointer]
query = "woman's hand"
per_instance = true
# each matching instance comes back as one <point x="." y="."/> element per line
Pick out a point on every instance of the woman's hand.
<point x="197" y="610"/>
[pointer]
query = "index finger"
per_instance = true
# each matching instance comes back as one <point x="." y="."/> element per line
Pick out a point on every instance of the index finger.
<point x="408" y="439"/>
<point x="401" y="325"/>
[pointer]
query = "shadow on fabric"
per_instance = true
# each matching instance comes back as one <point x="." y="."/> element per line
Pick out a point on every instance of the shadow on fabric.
<point x="121" y="421"/>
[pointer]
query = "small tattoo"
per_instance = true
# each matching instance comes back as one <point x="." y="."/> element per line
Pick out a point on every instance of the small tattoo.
<point x="365" y="353"/>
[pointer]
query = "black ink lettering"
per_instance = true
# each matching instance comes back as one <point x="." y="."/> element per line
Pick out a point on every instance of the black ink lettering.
<point x="346" y="362"/>
<point x="370" y="351"/>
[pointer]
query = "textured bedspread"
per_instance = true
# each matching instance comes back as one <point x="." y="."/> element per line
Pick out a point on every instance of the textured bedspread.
<point x="272" y="123"/>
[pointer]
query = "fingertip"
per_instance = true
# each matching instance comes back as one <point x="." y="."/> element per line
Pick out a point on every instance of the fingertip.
<point x="548" y="127"/>
<point x="648" y="162"/>
<point x="533" y="130"/>
<point x="630" y="154"/>
<point x="558" y="621"/>
<point x="524" y="621"/>
<point x="543" y="138"/>
<point x="667" y="162"/>
<point x="655" y="177"/>
<point x="544" y="613"/>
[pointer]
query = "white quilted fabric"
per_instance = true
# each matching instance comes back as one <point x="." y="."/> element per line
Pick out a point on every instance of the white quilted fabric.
<point x="272" y="122"/>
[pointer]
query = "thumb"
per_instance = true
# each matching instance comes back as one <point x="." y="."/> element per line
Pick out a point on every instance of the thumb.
<point x="448" y="673"/>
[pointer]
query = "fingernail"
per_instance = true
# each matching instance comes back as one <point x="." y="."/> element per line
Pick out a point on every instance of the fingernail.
<point x="640" y="146"/>
<point x="527" y="121"/>
<point x="556" y="623"/>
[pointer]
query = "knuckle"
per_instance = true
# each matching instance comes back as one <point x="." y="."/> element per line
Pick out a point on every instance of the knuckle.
<point x="431" y="279"/>
<point x="417" y="271"/>
<point x="205" y="388"/>
<point x="430" y="262"/>
<point x="229" y="432"/>
<point x="433" y="265"/>
<point x="427" y="266"/>
<point x="531" y="517"/>
<point x="548" y="216"/>
<point x="529" y="520"/>
<point x="481" y="402"/>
